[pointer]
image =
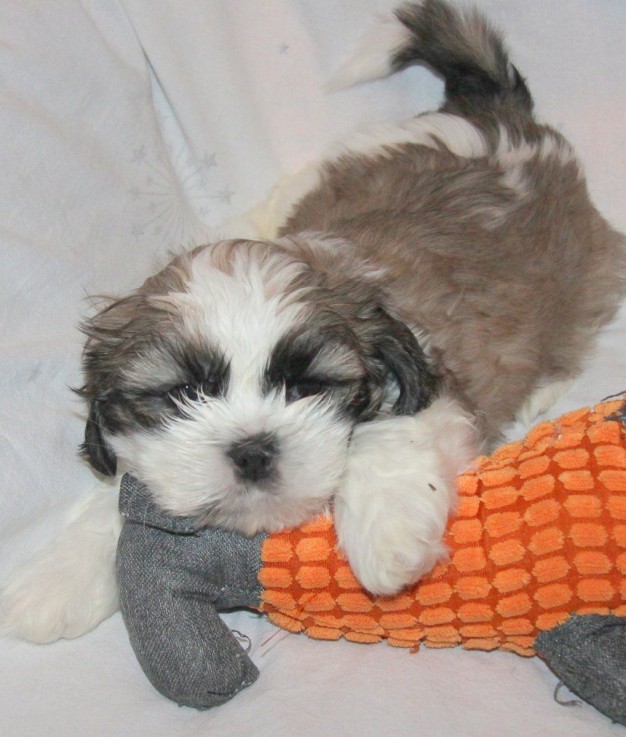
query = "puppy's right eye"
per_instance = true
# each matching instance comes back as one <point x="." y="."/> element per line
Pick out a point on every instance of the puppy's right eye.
<point x="303" y="388"/>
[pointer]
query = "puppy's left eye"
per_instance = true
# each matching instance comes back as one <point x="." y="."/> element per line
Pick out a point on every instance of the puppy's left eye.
<point x="195" y="391"/>
<point x="304" y="388"/>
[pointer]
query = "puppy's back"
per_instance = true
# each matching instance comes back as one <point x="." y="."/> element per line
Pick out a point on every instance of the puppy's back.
<point x="478" y="214"/>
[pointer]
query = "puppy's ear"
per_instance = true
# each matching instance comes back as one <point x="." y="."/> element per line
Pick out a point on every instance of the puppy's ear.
<point x="407" y="363"/>
<point x="95" y="448"/>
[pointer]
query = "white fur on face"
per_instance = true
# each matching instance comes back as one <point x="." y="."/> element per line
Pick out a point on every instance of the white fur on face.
<point x="184" y="461"/>
<point x="244" y="312"/>
<point x="186" y="467"/>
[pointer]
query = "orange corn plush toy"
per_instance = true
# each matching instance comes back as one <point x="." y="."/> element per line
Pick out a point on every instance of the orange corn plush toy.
<point x="539" y="535"/>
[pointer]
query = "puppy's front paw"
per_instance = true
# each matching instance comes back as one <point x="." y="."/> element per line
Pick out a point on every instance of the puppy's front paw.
<point x="392" y="545"/>
<point x="399" y="490"/>
<point x="51" y="598"/>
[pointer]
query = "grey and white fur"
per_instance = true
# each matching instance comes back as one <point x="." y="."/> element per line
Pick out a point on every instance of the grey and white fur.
<point x="409" y="296"/>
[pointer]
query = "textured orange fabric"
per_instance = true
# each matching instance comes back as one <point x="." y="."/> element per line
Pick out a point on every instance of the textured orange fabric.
<point x="540" y="533"/>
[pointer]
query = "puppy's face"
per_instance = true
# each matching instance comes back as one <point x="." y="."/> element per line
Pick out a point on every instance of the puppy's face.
<point x="230" y="382"/>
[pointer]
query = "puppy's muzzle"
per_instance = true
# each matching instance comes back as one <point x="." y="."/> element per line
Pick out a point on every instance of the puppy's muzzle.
<point x="254" y="458"/>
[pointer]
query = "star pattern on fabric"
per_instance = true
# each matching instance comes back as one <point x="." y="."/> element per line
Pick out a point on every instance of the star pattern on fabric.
<point x="139" y="154"/>
<point x="224" y="195"/>
<point x="208" y="161"/>
<point x="179" y="191"/>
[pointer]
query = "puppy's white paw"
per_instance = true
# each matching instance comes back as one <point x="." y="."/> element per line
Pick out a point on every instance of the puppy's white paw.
<point x="399" y="544"/>
<point x="52" y="598"/>
<point x="69" y="587"/>
<point x="399" y="490"/>
<point x="542" y="399"/>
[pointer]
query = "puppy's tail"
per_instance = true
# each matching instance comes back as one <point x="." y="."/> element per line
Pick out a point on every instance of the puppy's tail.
<point x="458" y="44"/>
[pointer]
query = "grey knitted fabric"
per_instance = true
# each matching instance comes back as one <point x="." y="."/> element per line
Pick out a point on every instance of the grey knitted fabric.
<point x="174" y="577"/>
<point x="588" y="653"/>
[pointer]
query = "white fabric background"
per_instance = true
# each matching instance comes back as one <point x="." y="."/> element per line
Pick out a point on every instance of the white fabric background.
<point x="132" y="127"/>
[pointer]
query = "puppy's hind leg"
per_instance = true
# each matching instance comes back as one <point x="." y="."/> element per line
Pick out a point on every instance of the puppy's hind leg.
<point x="69" y="587"/>
<point x="399" y="491"/>
<point x="542" y="399"/>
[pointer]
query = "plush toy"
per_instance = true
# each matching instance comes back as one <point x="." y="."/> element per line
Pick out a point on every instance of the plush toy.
<point x="537" y="564"/>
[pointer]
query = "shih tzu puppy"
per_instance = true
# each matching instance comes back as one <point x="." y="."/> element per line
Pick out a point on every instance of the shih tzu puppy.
<point x="409" y="296"/>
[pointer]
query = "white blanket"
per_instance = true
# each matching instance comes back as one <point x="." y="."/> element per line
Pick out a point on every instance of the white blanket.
<point x="132" y="127"/>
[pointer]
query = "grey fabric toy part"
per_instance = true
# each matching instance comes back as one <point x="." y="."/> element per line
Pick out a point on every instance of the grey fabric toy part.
<point x="174" y="577"/>
<point x="588" y="653"/>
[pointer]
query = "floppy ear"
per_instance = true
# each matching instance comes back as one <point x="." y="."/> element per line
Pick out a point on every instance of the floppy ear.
<point x="95" y="448"/>
<point x="350" y="283"/>
<point x="405" y="360"/>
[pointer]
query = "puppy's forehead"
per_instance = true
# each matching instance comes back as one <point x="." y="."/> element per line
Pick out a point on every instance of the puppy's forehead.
<point x="243" y="300"/>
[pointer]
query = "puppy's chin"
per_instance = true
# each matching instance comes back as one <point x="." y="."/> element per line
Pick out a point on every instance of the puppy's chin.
<point x="186" y="465"/>
<point x="251" y="510"/>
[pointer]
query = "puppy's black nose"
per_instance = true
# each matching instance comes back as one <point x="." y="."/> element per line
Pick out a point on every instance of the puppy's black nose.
<point x="254" y="457"/>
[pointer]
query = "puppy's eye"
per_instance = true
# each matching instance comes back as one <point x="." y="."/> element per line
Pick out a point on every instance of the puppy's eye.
<point x="303" y="388"/>
<point x="361" y="399"/>
<point x="195" y="391"/>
